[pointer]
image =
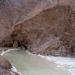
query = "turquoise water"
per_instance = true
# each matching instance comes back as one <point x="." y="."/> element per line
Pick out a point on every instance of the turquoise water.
<point x="34" y="65"/>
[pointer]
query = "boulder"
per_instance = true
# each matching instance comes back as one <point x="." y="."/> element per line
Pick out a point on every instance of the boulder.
<point x="4" y="63"/>
<point x="5" y="67"/>
<point x="6" y="72"/>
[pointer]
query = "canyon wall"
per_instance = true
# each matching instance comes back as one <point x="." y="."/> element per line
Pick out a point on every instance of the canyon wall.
<point x="42" y="27"/>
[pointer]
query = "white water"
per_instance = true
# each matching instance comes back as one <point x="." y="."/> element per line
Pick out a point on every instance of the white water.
<point x="29" y="64"/>
<point x="68" y="63"/>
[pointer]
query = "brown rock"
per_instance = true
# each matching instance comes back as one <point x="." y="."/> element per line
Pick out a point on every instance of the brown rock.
<point x="49" y="32"/>
<point x="4" y="63"/>
<point x="6" y="72"/>
<point x="5" y="67"/>
<point x="45" y="27"/>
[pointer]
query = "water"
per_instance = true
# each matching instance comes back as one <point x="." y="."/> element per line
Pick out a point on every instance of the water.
<point x="68" y="63"/>
<point x="29" y="64"/>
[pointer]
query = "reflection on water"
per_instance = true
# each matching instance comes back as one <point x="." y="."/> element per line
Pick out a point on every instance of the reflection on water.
<point x="34" y="65"/>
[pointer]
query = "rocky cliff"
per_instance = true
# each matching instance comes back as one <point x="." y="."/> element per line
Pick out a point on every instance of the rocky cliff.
<point x="47" y="29"/>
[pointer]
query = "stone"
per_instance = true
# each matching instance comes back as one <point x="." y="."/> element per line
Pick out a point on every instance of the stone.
<point x="6" y="72"/>
<point x="42" y="27"/>
<point x="4" y="63"/>
<point x="5" y="67"/>
<point x="48" y="31"/>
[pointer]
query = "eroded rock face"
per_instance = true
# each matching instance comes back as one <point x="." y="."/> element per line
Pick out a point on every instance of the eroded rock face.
<point x="50" y="32"/>
<point x="46" y="28"/>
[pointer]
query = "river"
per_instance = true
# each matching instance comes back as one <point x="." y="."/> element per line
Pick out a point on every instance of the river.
<point x="29" y="64"/>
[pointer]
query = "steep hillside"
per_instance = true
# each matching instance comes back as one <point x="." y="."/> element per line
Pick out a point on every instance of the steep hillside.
<point x="49" y="32"/>
<point x="42" y="27"/>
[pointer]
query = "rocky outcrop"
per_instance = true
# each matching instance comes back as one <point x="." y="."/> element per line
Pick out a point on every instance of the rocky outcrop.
<point x="47" y="28"/>
<point x="5" y="64"/>
<point x="5" y="67"/>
